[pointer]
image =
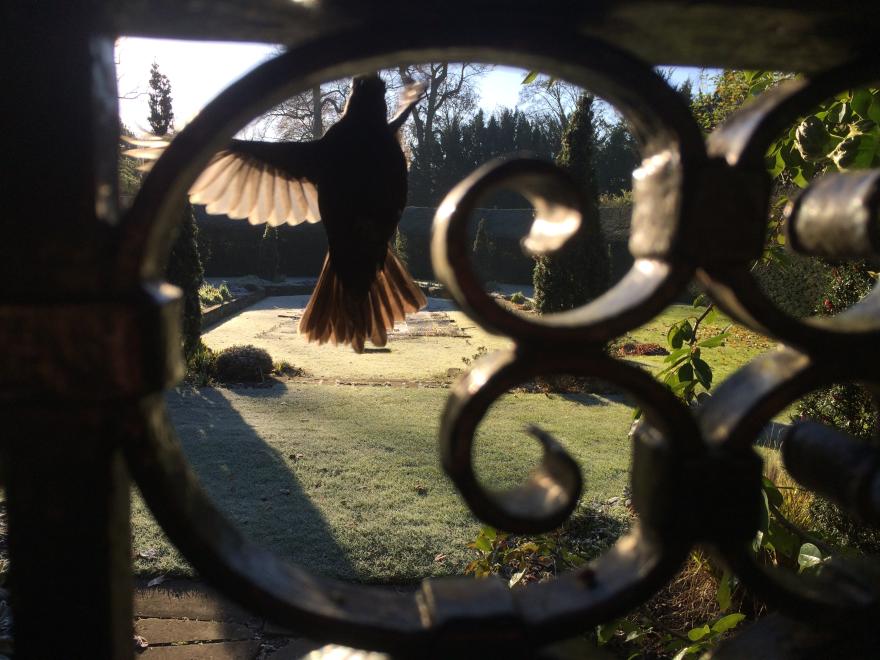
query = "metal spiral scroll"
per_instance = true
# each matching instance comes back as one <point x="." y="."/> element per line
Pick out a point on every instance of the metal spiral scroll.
<point x="696" y="211"/>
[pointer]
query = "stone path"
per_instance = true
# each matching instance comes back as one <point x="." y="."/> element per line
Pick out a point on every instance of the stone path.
<point x="185" y="620"/>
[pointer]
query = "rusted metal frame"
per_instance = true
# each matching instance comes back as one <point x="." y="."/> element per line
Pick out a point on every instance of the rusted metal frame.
<point x="773" y="35"/>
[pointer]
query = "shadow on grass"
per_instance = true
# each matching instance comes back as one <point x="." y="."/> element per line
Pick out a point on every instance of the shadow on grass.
<point x="251" y="482"/>
<point x="592" y="529"/>
<point x="269" y="388"/>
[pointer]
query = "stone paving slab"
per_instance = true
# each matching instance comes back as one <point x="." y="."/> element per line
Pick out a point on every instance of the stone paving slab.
<point x="187" y="599"/>
<point x="294" y="649"/>
<point x="185" y="619"/>
<point x="168" y="631"/>
<point x="222" y="651"/>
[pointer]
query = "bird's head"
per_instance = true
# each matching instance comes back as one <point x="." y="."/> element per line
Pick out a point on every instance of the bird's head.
<point x="367" y="96"/>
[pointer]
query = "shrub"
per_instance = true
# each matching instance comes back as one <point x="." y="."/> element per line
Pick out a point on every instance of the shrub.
<point x="243" y="364"/>
<point x="401" y="246"/>
<point x="214" y="295"/>
<point x="579" y="271"/>
<point x="846" y="407"/>
<point x="185" y="270"/>
<point x="517" y="298"/>
<point x="284" y="368"/>
<point x="201" y="366"/>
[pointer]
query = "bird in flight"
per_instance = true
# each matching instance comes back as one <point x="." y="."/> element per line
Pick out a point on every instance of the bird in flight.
<point x="354" y="179"/>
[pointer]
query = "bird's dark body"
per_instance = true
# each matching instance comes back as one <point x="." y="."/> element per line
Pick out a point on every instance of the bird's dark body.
<point x="362" y="192"/>
<point x="359" y="171"/>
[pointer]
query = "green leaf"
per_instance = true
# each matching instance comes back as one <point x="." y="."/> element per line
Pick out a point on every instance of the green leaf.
<point x="874" y="109"/>
<point x="723" y="594"/>
<point x="715" y="341"/>
<point x="688" y="650"/>
<point x="685" y="373"/>
<point x="728" y="622"/>
<point x="673" y="337"/>
<point x="482" y="543"/>
<point x="774" y="495"/>
<point x="605" y="631"/>
<point x="703" y="372"/>
<point x="764" y="522"/>
<point x="686" y="330"/>
<point x="861" y="102"/>
<point x="868" y="147"/>
<point x="531" y="76"/>
<point x="778" y="166"/>
<point x="696" y="634"/>
<point x="699" y="300"/>
<point x="677" y="354"/>
<point x="808" y="557"/>
<point x="799" y="179"/>
<point x="785" y="542"/>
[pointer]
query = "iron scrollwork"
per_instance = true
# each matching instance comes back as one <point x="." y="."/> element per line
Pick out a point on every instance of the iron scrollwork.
<point x="699" y="209"/>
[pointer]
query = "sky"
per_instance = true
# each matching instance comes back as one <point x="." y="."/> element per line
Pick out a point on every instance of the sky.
<point x="199" y="70"/>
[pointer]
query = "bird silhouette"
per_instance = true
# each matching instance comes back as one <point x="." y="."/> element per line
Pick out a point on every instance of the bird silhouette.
<point x="354" y="179"/>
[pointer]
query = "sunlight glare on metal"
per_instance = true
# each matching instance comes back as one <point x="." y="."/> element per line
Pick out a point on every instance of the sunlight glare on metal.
<point x="645" y="267"/>
<point x="477" y="378"/>
<point x="551" y="229"/>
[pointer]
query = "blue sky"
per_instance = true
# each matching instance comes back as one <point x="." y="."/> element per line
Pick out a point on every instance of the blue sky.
<point x="198" y="71"/>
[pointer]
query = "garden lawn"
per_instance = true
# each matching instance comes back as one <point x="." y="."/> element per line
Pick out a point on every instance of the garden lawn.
<point x="346" y="480"/>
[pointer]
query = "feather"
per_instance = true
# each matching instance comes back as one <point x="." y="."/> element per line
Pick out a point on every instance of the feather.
<point x="265" y="206"/>
<point x="311" y="195"/>
<point x="282" y="201"/>
<point x="206" y="181"/>
<point x="298" y="204"/>
<point x="231" y="193"/>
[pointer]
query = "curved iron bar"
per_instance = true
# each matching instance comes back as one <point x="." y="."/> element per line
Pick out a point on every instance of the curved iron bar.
<point x="741" y="142"/>
<point x="730" y="421"/>
<point x="649" y="287"/>
<point x="551" y="493"/>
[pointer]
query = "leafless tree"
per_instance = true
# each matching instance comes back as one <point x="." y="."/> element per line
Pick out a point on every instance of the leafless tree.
<point x="304" y="116"/>
<point x="450" y="91"/>
<point x="551" y="98"/>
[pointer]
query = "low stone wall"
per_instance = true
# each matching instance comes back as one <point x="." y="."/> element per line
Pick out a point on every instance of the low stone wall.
<point x="213" y="315"/>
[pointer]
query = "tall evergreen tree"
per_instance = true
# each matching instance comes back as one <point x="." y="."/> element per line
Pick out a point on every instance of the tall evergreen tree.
<point x="616" y="158"/>
<point x="159" y="101"/>
<point x="577" y="272"/>
<point x="184" y="265"/>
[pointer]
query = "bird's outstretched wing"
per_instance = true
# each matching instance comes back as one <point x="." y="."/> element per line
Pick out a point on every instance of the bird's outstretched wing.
<point x="411" y="94"/>
<point x="265" y="182"/>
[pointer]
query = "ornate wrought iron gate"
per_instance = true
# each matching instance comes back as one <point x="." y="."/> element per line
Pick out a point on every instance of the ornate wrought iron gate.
<point x="90" y="334"/>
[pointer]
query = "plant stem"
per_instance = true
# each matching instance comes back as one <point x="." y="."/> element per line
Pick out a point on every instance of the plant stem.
<point x="699" y="320"/>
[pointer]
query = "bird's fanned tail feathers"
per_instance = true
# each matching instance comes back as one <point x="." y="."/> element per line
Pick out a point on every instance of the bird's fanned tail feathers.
<point x="338" y="316"/>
